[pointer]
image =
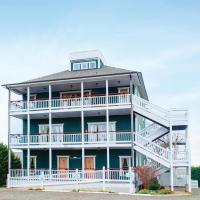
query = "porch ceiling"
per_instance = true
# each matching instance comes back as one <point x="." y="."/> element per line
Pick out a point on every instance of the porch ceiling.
<point x="68" y="114"/>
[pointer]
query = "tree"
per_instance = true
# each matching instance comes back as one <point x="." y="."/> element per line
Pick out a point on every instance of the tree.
<point x="146" y="174"/>
<point x="15" y="163"/>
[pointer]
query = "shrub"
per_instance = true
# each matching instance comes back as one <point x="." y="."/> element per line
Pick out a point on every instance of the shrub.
<point x="195" y="174"/>
<point x="15" y="163"/>
<point x="144" y="191"/>
<point x="154" y="186"/>
<point x="146" y="174"/>
<point x="164" y="191"/>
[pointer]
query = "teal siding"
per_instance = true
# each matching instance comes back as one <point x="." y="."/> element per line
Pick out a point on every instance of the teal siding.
<point x="74" y="124"/>
<point x="75" y="160"/>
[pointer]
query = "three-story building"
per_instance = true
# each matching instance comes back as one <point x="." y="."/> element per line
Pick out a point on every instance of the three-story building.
<point x="93" y="116"/>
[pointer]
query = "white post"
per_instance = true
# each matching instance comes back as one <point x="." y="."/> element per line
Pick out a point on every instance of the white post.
<point x="50" y="131"/>
<point x="76" y="179"/>
<point x="42" y="179"/>
<point x="132" y="127"/>
<point x="171" y="159"/>
<point x="103" y="176"/>
<point x="28" y="130"/>
<point x="9" y="150"/>
<point x="188" y="157"/>
<point x="130" y="181"/>
<point x="8" y="181"/>
<point x="107" y="128"/>
<point x="82" y="129"/>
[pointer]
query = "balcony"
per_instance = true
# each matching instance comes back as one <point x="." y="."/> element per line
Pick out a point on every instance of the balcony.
<point x="70" y="139"/>
<point x="72" y="103"/>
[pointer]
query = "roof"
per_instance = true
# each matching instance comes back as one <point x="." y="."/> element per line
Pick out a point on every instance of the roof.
<point x="70" y="75"/>
<point x="103" y="71"/>
<point x="87" y="54"/>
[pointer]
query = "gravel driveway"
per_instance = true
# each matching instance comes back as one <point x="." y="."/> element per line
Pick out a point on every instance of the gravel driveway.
<point x="9" y="194"/>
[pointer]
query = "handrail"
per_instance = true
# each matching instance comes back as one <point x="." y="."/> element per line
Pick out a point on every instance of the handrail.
<point x="152" y="146"/>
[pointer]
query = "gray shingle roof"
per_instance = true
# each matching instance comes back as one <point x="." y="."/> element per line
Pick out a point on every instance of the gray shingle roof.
<point x="103" y="71"/>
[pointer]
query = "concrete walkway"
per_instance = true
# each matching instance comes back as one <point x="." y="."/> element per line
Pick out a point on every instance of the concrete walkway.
<point x="19" y="194"/>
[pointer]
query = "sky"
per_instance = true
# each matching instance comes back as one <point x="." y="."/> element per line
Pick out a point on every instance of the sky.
<point x="160" y="38"/>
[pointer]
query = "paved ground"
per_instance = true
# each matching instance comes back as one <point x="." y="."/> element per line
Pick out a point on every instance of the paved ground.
<point x="39" y="195"/>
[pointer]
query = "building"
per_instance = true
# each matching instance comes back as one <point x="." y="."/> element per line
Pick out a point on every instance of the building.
<point x="94" y="117"/>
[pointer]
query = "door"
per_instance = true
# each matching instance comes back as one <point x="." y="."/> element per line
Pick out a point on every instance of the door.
<point x="66" y="99"/>
<point x="89" y="167"/>
<point x="89" y="162"/>
<point x="63" y="165"/>
<point x="125" y="163"/>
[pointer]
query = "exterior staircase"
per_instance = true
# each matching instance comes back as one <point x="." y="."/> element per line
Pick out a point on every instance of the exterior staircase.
<point x="163" y="120"/>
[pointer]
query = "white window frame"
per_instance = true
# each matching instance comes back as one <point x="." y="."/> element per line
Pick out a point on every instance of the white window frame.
<point x="120" y="161"/>
<point x="123" y="88"/>
<point x="40" y="125"/>
<point x="96" y="123"/>
<point x="94" y="160"/>
<point x="92" y="62"/>
<point x="76" y="64"/>
<point x="62" y="156"/>
<point x="35" y="161"/>
<point x="87" y="65"/>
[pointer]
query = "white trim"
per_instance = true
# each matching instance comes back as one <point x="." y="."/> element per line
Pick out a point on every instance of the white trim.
<point x="62" y="156"/>
<point x="87" y="65"/>
<point x="62" y="124"/>
<point x="75" y="91"/>
<point x="94" y="160"/>
<point x="35" y="161"/>
<point x="101" y="122"/>
<point x="120" y="159"/>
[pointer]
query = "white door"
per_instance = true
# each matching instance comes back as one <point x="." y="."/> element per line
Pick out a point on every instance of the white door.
<point x="92" y="132"/>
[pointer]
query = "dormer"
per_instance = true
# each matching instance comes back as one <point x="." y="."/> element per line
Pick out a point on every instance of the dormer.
<point x="86" y="60"/>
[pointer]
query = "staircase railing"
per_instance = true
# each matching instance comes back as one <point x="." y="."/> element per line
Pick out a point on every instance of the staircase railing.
<point x="152" y="147"/>
<point x="151" y="108"/>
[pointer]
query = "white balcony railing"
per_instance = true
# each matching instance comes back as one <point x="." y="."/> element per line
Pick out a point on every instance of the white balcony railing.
<point x="75" y="138"/>
<point x="20" y="106"/>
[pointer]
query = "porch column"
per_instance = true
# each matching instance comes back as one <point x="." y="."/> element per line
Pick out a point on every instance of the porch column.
<point x="28" y="130"/>
<point x="82" y="127"/>
<point x="132" y="125"/>
<point x="188" y="158"/>
<point x="50" y="130"/>
<point x="9" y="129"/>
<point x="107" y="127"/>
<point x="171" y="159"/>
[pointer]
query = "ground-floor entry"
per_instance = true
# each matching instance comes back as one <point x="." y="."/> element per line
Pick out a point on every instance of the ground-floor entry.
<point x="72" y="159"/>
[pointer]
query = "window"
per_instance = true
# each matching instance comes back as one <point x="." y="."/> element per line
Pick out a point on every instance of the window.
<point x="124" y="162"/>
<point x="96" y="127"/>
<point x="84" y="65"/>
<point x="56" y="128"/>
<point x="76" y="66"/>
<point x="92" y="65"/>
<point x="43" y="128"/>
<point x="124" y="90"/>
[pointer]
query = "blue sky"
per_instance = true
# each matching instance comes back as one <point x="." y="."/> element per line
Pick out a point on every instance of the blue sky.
<point x="160" y="38"/>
